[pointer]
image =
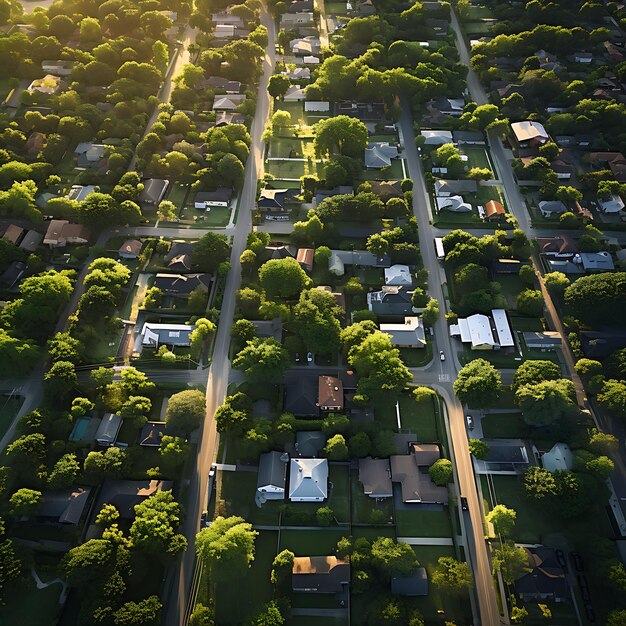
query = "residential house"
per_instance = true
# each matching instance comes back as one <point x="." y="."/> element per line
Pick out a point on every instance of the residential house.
<point x="613" y="52"/>
<point x="225" y="17"/>
<point x="615" y="161"/>
<point x="130" y="249"/>
<point x="558" y="458"/>
<point x="155" y="335"/>
<point x="61" y="232"/>
<point x="65" y="506"/>
<point x="562" y="168"/>
<point x="506" y="266"/>
<point x="361" y="8"/>
<point x="320" y="574"/>
<point x="277" y="250"/>
<point x="35" y="143"/>
<point x="550" y="208"/>
<point x="413" y="584"/>
<point x="446" y="188"/>
<point x="57" y="68"/>
<point x="310" y="443"/>
<point x="546" y="580"/>
<point x="207" y="200"/>
<point x="80" y="192"/>
<point x="484" y="333"/>
<point x="330" y="394"/>
<point x="13" y="233"/>
<point x="452" y="107"/>
<point x="614" y="204"/>
<point x="595" y="261"/>
<point x="301" y="395"/>
<point x="272" y="476"/>
<point x="275" y="200"/>
<point x="305" y="46"/>
<point x="224" y="31"/>
<point x="294" y="93"/>
<point x="365" y="111"/>
<point x="582" y="57"/>
<point x="316" y="106"/>
<point x="31" y="240"/>
<point x="181" y="285"/>
<point x="153" y="191"/>
<point x="375" y="476"/>
<point x="529" y="134"/>
<point x="597" y="344"/>
<point x="469" y="137"/>
<point x="305" y="258"/>
<point x="298" y="74"/>
<point x="410" y="334"/>
<point x="379" y="154"/>
<point x="456" y="204"/>
<point x="13" y="273"/>
<point x="293" y="21"/>
<point x="89" y="154"/>
<point x="340" y="258"/>
<point x="557" y="246"/>
<point x="411" y="472"/>
<point x="340" y="190"/>
<point x="124" y="495"/>
<point x="505" y="456"/>
<point x="224" y="118"/>
<point x="387" y="189"/>
<point x="436" y="137"/>
<point x="398" y="275"/>
<point x="269" y="328"/>
<point x="228" y="102"/>
<point x="219" y="83"/>
<point x="180" y="263"/>
<point x="390" y="301"/>
<point x="548" y="340"/>
<point x="48" y="85"/>
<point x="300" y="5"/>
<point x="494" y="211"/>
<point x="151" y="434"/>
<point x="308" y="480"/>
<point x="108" y="430"/>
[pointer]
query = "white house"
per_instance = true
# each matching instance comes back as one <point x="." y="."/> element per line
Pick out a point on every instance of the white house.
<point x="436" y="137"/>
<point x="560" y="457"/>
<point x="410" y="334"/>
<point x="294" y="94"/>
<point x="308" y="480"/>
<point x="613" y="205"/>
<point x="551" y="207"/>
<point x="272" y="476"/>
<point x="529" y="132"/>
<point x="379" y="154"/>
<point x="453" y="203"/>
<point x="398" y="275"/>
<point x="483" y="333"/>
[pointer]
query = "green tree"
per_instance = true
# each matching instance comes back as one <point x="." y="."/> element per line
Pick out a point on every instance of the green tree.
<point x="270" y="615"/>
<point x="511" y="561"/>
<point x="325" y="516"/>
<point x="539" y="483"/>
<point x="595" y="298"/>
<point x="336" y="448"/>
<point x="108" y="464"/>
<point x="174" y="451"/>
<point x="262" y="360"/>
<point x="530" y="302"/>
<point x="613" y="397"/>
<point x="24" y="502"/>
<point x="108" y="515"/>
<point x="478" y="384"/>
<point x="556" y="283"/>
<point x="603" y="443"/>
<point x="617" y="617"/>
<point x="452" y="576"/>
<point x="283" y="277"/>
<point x="202" y="616"/>
<point x="209" y="251"/>
<point x="88" y="561"/>
<point x="282" y="567"/>
<point x="546" y="402"/>
<point x="359" y="445"/>
<point x="64" y="472"/>
<point x="478" y="448"/>
<point x="587" y="368"/>
<point x="431" y="312"/>
<point x="393" y="557"/>
<point x="143" y="613"/>
<point x="502" y="518"/>
<point x="441" y="472"/>
<point x="64" y="347"/>
<point x="186" y="410"/>
<point x="278" y="85"/>
<point x="535" y="371"/>
<point x="344" y="134"/>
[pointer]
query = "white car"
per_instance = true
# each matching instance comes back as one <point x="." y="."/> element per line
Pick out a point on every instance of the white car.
<point x="470" y="422"/>
<point x="442" y="356"/>
<point x="309" y="357"/>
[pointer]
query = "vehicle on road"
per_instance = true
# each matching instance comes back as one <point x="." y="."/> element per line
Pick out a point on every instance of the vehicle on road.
<point x="577" y="561"/>
<point x="464" y="505"/>
<point x="204" y="519"/>
<point x="442" y="356"/>
<point x="560" y="557"/>
<point x="470" y="422"/>
<point x="441" y="254"/>
<point x="211" y="483"/>
<point x="591" y="614"/>
<point x="309" y="357"/>
<point x="297" y="357"/>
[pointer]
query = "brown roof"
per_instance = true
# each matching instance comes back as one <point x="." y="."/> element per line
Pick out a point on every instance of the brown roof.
<point x="13" y="233"/>
<point x="562" y="244"/>
<point x="75" y="231"/>
<point x="315" y="564"/>
<point x="305" y="256"/>
<point x="425" y="453"/>
<point x="131" y="246"/>
<point x="493" y="207"/>
<point x="330" y="392"/>
<point x="55" y="228"/>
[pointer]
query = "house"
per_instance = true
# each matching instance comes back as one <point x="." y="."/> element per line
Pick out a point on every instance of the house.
<point x="494" y="211"/>
<point x="309" y="59"/>
<point x="31" y="241"/>
<point x="565" y="266"/>
<point x="48" y="85"/>
<point x="557" y="246"/>
<point x="299" y="74"/>
<point x="436" y="137"/>
<point x="549" y="208"/>
<point x="413" y="584"/>
<point x="13" y="273"/>
<point x="470" y="137"/>
<point x="340" y="190"/>
<point x="529" y="134"/>
<point x="595" y="261"/>
<point x="308" y="480"/>
<point x="224" y="31"/>
<point x="58" y="68"/>
<point x="294" y="93"/>
<point x="379" y="154"/>
<point x="452" y="107"/>
<point x="558" y="458"/>
<point x="546" y="580"/>
<point x="375" y="476"/>
<point x="228" y="102"/>
<point x="483" y="333"/>
<point x="598" y="344"/>
<point x="410" y="334"/>
<point x="365" y="111"/>
<point x="506" y="266"/>
<point x="582" y="57"/>
<point x="362" y="8"/>
<point x="387" y="189"/>
<point x="153" y="191"/>
<point x="155" y="335"/>
<point x="80" y="192"/>
<point x="181" y="285"/>
<point x="124" y="495"/>
<point x="300" y="5"/>
<point x="108" y="430"/>
<point x="411" y="472"/>
<point x="219" y="83"/>
<point x="180" y="263"/>
<point x="224" y="118"/>
<point x="330" y="394"/>
<point x="305" y="46"/>
<point x="505" y="456"/>
<point x="269" y="328"/>
<point x="278" y="250"/>
<point x="615" y="161"/>
<point x="310" y="443"/>
<point x="34" y="145"/>
<point x="206" y="200"/>
<point x="320" y="574"/>
<point x="301" y="395"/>
<point x="305" y="258"/>
<point x="456" y="204"/>
<point x="390" y="301"/>
<point x="275" y="199"/>
<point x="293" y="21"/>
<point x="316" y="106"/>
<point x="548" y="340"/>
<point x="89" y="154"/>
<point x="61" y="232"/>
<point x="445" y="188"/>
<point x="226" y="17"/>
<point x="272" y="476"/>
<point x="130" y="249"/>
<point x="563" y="169"/>
<point x="613" y="52"/>
<point x="151" y="434"/>
<point x="398" y="275"/>
<point x="614" y="204"/>
<point x="13" y="233"/>
<point x="361" y="258"/>
<point x="65" y="506"/>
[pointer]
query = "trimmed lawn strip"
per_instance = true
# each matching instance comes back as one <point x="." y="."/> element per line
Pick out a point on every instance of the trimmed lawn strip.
<point x="311" y="542"/>
<point x="419" y="523"/>
<point x="310" y="620"/>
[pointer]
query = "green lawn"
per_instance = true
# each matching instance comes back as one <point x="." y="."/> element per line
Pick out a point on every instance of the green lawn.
<point x="477" y="157"/>
<point x="496" y="357"/>
<point x="371" y="533"/>
<point x="335" y="8"/>
<point x="290" y="147"/>
<point x="417" y="357"/>
<point x="28" y="606"/>
<point x="309" y="620"/>
<point x="311" y="542"/>
<point x="393" y="172"/>
<point x="419" y="523"/>
<point x="419" y="418"/>
<point x="363" y="506"/>
<point x="526" y="324"/>
<point x="339" y="501"/>
<point x="290" y="169"/>
<point x="178" y="194"/>
<point x="216" y="217"/>
<point x="504" y="425"/>
<point x="9" y="408"/>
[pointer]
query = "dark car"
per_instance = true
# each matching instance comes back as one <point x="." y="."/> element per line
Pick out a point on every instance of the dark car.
<point x="560" y="557"/>
<point x="584" y="587"/>
<point x="464" y="504"/>
<point x="591" y="614"/>
<point x="577" y="561"/>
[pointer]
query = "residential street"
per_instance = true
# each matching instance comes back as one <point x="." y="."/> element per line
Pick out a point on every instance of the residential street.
<point x="181" y="575"/>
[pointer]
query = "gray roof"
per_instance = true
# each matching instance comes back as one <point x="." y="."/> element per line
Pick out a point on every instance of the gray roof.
<point x="390" y="300"/>
<point x="362" y="257"/>
<point x="109" y="429"/>
<point x="375" y="476"/>
<point x="506" y="452"/>
<point x="411" y="471"/>
<point x="272" y="470"/>
<point x="65" y="506"/>
<point x="13" y="273"/>
<point x="301" y="395"/>
<point x="31" y="240"/>
<point x="465" y="136"/>
<point x="152" y="433"/>
<point x="269" y="328"/>
<point x="320" y="574"/>
<point x="125" y="494"/>
<point x="180" y="285"/>
<point x="596" y="261"/>
<point x="455" y="187"/>
<point x="153" y="191"/>
<point x="546" y="339"/>
<point x="413" y="584"/>
<point x="308" y="479"/>
<point x="309" y="443"/>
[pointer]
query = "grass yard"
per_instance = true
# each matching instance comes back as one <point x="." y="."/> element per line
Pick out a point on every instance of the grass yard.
<point x="9" y="408"/>
<point x="496" y="357"/>
<point x="178" y="194"/>
<point x="419" y="523"/>
<point x="475" y="13"/>
<point x="419" y="418"/>
<point x="296" y="110"/>
<point x="291" y="148"/>
<point x="339" y="500"/>
<point x="451" y="219"/>
<point x="336" y="8"/>
<point x="28" y="606"/>
<point x="237" y="490"/>
<point x="526" y="324"/>
<point x="311" y="542"/>
<point x="417" y="357"/>
<point x="290" y="169"/>
<point x="363" y="506"/>
<point x="216" y="217"/>
<point x="311" y="620"/>
<point x="479" y="28"/>
<point x="393" y="172"/>
<point x="371" y="533"/>
<point x="477" y="157"/>
<point x="505" y="425"/>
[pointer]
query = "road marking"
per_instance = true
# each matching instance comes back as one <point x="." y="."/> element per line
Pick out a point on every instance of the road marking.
<point x="444" y="378"/>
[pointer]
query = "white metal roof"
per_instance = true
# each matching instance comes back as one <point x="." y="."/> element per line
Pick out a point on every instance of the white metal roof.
<point x="480" y="330"/>
<point x="501" y="321"/>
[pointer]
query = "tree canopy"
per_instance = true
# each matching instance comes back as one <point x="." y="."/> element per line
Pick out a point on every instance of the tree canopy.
<point x="478" y="384"/>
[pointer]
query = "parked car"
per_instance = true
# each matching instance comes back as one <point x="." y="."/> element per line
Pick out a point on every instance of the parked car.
<point x="577" y="561"/>
<point x="211" y="482"/>
<point x="442" y="356"/>
<point x="204" y="518"/>
<point x="470" y="422"/>
<point x="297" y="357"/>
<point x="591" y="614"/>
<point x="584" y="587"/>
<point x="464" y="505"/>
<point x="309" y="357"/>
<point x="560" y="557"/>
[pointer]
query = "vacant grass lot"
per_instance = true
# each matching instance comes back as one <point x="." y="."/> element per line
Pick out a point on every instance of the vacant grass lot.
<point x="419" y="523"/>
<point x="312" y="542"/>
<point x="290" y="169"/>
<point x="419" y="418"/>
<point x="496" y="425"/>
<point x="477" y="157"/>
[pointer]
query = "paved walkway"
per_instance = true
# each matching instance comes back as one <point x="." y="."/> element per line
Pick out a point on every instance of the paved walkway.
<point x="427" y="541"/>
<point x="42" y="585"/>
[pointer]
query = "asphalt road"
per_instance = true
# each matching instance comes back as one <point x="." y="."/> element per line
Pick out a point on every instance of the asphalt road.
<point x="486" y="612"/>
<point x="181" y="577"/>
